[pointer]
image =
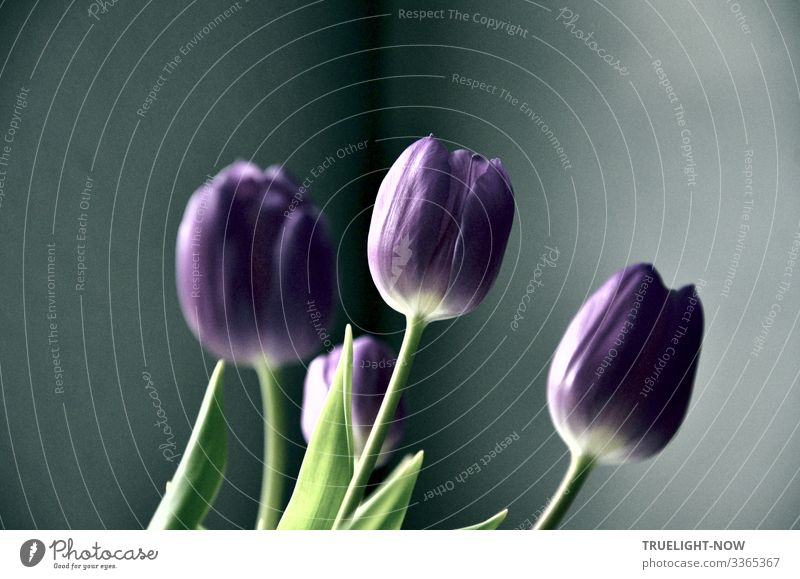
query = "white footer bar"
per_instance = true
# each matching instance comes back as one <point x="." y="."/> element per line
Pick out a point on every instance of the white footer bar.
<point x="416" y="554"/>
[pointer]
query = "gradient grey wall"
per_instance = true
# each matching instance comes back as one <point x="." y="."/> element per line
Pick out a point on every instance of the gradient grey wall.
<point x="292" y="83"/>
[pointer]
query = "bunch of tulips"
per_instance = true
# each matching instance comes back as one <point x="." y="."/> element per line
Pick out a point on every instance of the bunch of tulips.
<point x="256" y="282"/>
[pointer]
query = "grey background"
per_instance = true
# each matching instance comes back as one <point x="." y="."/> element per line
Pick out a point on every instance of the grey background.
<point x="291" y="82"/>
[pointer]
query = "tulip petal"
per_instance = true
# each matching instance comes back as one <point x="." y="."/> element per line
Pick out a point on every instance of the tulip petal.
<point x="662" y="412"/>
<point x="409" y="215"/>
<point x="301" y="298"/>
<point x="216" y="306"/>
<point x="486" y="220"/>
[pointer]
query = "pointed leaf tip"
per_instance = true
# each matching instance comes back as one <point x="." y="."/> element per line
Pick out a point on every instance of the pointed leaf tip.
<point x="386" y="508"/>
<point x="190" y="493"/>
<point x="328" y="463"/>
<point x="489" y="524"/>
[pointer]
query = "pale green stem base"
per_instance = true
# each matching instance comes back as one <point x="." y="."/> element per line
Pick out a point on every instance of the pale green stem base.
<point x="374" y="444"/>
<point x="275" y="479"/>
<point x="579" y="468"/>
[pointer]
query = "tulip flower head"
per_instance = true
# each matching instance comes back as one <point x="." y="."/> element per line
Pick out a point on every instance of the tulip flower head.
<point x="373" y="363"/>
<point x="254" y="265"/>
<point x="621" y="378"/>
<point x="439" y="230"/>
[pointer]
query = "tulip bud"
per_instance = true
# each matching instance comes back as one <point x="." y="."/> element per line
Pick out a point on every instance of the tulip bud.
<point x="621" y="378"/>
<point x="439" y="230"/>
<point x="254" y="265"/>
<point x="373" y="363"/>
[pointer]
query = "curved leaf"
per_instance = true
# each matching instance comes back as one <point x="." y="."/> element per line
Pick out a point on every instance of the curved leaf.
<point x="328" y="464"/>
<point x="387" y="506"/>
<point x="189" y="494"/>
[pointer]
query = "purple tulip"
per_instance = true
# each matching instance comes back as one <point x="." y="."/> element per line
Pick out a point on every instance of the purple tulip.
<point x="254" y="265"/>
<point x="373" y="363"/>
<point x="439" y="230"/>
<point x="621" y="378"/>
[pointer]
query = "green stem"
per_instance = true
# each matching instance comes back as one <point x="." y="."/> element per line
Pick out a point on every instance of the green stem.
<point x="579" y="468"/>
<point x="372" y="448"/>
<point x="274" y="479"/>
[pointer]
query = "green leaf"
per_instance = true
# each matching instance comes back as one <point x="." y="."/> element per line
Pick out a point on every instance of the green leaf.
<point x="328" y="464"/>
<point x="489" y="524"/>
<point x="191" y="491"/>
<point x="387" y="506"/>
